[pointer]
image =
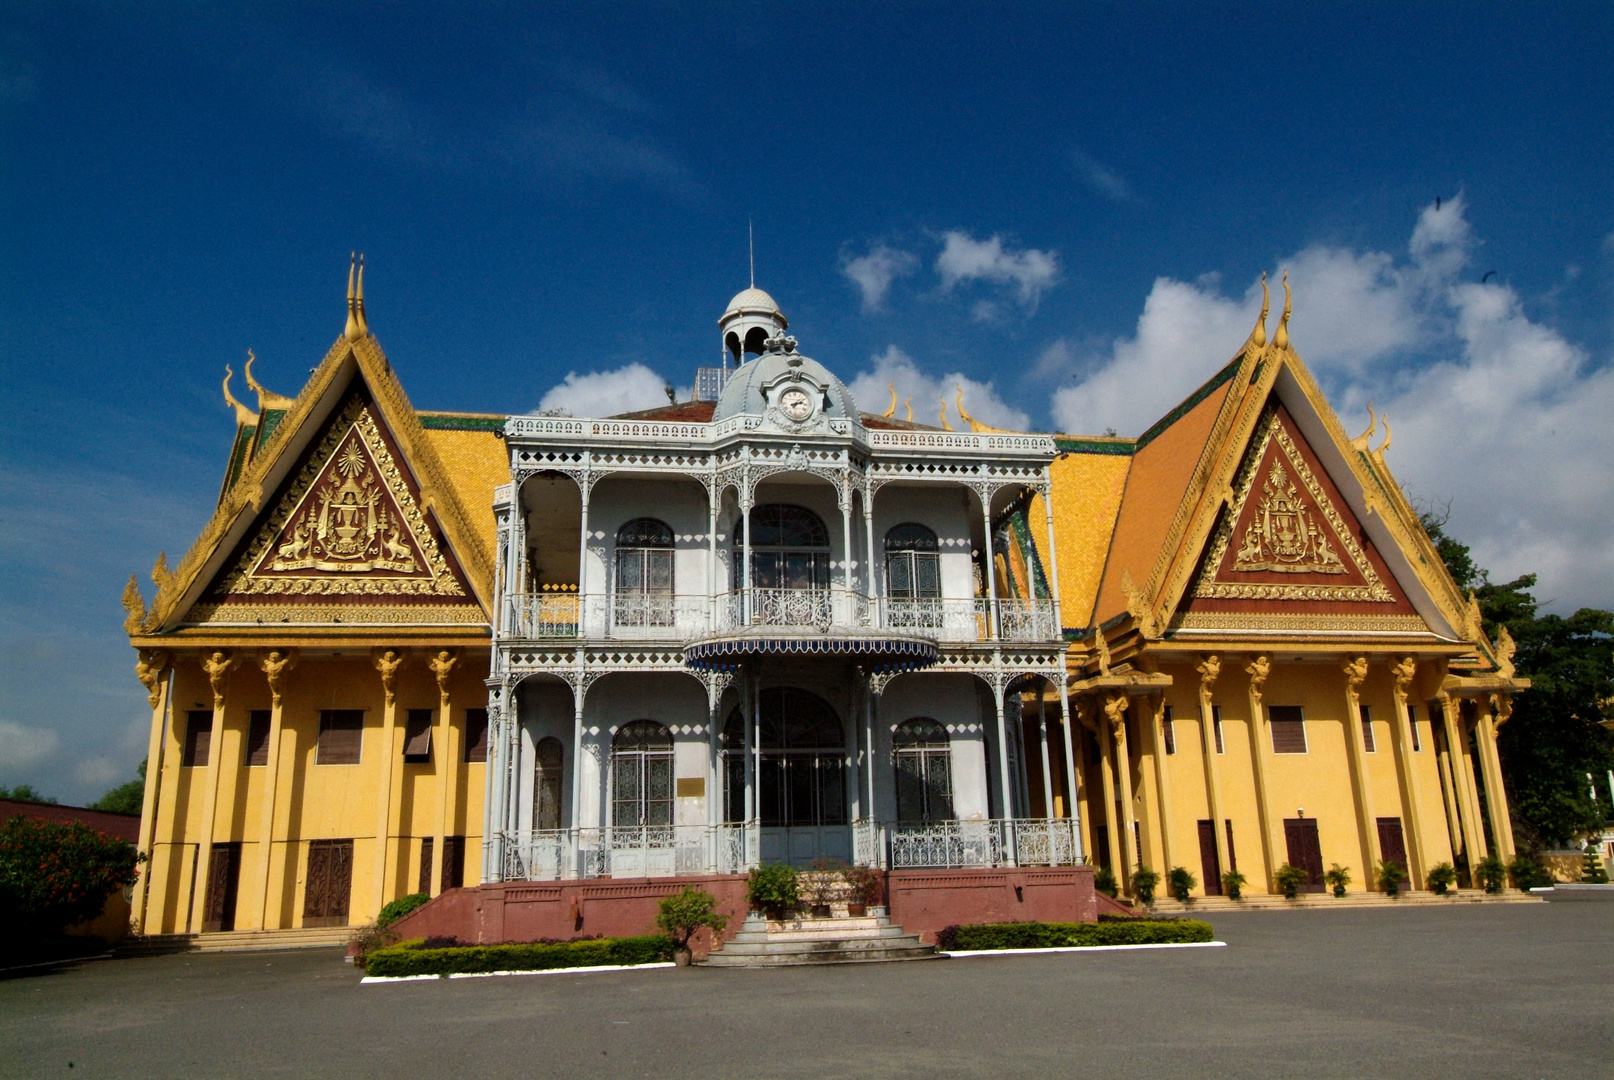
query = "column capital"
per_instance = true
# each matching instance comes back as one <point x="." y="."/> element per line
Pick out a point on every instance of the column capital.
<point x="150" y="667"/>
<point x="218" y="664"/>
<point x="1355" y="670"/>
<point x="1209" y="668"/>
<point x="1258" y="669"/>
<point x="441" y="665"/>
<point x="274" y="664"/>
<point x="1404" y="671"/>
<point x="387" y="662"/>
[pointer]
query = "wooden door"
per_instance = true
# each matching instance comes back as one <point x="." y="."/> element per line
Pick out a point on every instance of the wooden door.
<point x="1210" y="862"/>
<point x="223" y="887"/>
<point x="1393" y="847"/>
<point x="328" y="885"/>
<point x="1304" y="850"/>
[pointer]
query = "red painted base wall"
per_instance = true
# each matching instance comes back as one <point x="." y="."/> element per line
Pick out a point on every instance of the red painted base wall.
<point x="920" y="901"/>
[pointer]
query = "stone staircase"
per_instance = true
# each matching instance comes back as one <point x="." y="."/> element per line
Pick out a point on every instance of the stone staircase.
<point x="322" y="937"/>
<point x="833" y="940"/>
<point x="1213" y="905"/>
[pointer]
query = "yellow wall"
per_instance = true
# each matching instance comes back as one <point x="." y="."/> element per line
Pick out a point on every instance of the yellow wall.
<point x="313" y="801"/>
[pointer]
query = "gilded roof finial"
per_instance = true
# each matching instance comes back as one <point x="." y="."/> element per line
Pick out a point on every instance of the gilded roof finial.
<point x="267" y="399"/>
<point x="243" y="415"/>
<point x="975" y="425"/>
<point x="358" y="302"/>
<point x="1259" y="334"/>
<point x="892" y="411"/>
<point x="945" y="425"/>
<point x="352" y="332"/>
<point x="1281" y="338"/>
<point x="907" y="403"/>
<point x="1361" y="441"/>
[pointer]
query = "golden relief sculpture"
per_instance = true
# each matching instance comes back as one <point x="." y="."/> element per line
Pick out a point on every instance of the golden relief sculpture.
<point x="1296" y="529"/>
<point x="348" y="526"/>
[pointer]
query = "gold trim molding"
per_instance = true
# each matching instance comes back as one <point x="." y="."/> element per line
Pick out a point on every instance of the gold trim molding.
<point x="1236" y="621"/>
<point x="342" y="615"/>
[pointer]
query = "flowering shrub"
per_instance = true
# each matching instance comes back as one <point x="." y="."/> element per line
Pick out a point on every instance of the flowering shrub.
<point x="54" y="874"/>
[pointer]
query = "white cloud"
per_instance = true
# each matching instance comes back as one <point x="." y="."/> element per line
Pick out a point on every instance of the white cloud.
<point x="24" y="748"/>
<point x="606" y="393"/>
<point x="1500" y="415"/>
<point x="1102" y="179"/>
<point x="981" y="400"/>
<point x="873" y="273"/>
<point x="965" y="259"/>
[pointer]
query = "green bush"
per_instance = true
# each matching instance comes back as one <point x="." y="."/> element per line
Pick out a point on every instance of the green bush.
<point x="1527" y="873"/>
<point x="1491" y="874"/>
<point x="54" y="874"/>
<point x="1337" y="878"/>
<point x="408" y="958"/>
<point x="1182" y="882"/>
<point x="1144" y="883"/>
<point x="1034" y="935"/>
<point x="400" y="907"/>
<point x="1104" y="882"/>
<point x="1233" y="884"/>
<point x="1591" y="867"/>
<point x="1391" y="873"/>
<point x="1441" y="877"/>
<point x="685" y="912"/>
<point x="773" y="889"/>
<point x="1290" y="878"/>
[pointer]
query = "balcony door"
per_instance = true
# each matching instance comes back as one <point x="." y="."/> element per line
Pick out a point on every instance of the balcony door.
<point x="644" y="574"/>
<point x="789" y="548"/>
<point x="801" y="787"/>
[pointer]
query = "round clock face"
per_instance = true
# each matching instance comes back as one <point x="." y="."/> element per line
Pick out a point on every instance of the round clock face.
<point x="796" y="404"/>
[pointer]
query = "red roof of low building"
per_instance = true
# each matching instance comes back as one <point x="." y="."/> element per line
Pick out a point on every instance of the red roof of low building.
<point x="122" y="826"/>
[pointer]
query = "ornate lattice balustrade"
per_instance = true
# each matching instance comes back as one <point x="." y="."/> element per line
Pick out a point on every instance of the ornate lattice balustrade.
<point x="986" y="843"/>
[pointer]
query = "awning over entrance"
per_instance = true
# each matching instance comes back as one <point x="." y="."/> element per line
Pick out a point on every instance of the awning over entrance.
<point x="882" y="651"/>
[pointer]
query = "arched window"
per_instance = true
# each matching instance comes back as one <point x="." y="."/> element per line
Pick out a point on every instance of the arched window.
<point x="546" y="783"/>
<point x="924" y="772"/>
<point x="789" y="548"/>
<point x="642" y="775"/>
<point x="644" y="573"/>
<point x="912" y="565"/>
<point x="803" y="751"/>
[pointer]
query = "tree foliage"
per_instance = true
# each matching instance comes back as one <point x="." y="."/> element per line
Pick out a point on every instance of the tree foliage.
<point x="24" y="793"/>
<point x="54" y="874"/>
<point x="1556" y="737"/>
<point x="125" y="798"/>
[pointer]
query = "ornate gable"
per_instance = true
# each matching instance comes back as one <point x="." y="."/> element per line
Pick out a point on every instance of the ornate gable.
<point x="346" y="539"/>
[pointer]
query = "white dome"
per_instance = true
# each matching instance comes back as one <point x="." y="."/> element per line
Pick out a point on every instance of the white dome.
<point x="752" y="299"/>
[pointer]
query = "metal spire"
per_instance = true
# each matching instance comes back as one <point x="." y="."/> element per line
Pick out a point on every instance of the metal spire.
<point x="751" y="243"/>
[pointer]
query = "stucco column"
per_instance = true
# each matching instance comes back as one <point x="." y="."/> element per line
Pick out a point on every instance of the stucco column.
<point x="1076" y="761"/>
<point x="154" y="670"/>
<point x="1355" y="672"/>
<point x="1115" y="710"/>
<point x="1448" y="791"/>
<point x="275" y="664"/>
<point x="217" y="665"/>
<point x="1106" y="776"/>
<point x="1496" y="799"/>
<point x="387" y="662"/>
<point x="1404" y="671"/>
<point x="1456" y="745"/>
<point x="441" y="665"/>
<point x="1260" y="758"/>
<point x="1157" y="712"/>
<point x="1209" y="668"/>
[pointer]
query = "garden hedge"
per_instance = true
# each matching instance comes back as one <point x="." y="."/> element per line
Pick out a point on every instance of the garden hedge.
<point x="408" y="958"/>
<point x="1035" y="935"/>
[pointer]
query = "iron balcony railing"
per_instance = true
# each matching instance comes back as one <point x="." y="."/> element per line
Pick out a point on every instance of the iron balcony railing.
<point x="688" y="617"/>
<point x="671" y="850"/>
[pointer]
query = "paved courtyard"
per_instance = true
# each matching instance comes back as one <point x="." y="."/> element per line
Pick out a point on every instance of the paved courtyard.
<point x="1506" y="991"/>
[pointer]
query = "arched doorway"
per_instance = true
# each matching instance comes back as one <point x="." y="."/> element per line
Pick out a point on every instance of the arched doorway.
<point x="800" y="792"/>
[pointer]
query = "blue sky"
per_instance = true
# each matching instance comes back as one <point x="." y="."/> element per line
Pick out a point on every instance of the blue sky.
<point x="1063" y="207"/>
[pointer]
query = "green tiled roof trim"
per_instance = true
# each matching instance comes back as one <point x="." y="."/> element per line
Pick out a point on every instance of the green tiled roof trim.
<point x="1118" y="447"/>
<point x="441" y="422"/>
<point x="267" y="424"/>
<point x="1022" y="529"/>
<point x="238" y="458"/>
<point x="1193" y="399"/>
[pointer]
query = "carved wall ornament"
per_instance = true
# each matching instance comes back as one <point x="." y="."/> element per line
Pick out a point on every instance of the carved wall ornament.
<point x="1355" y="674"/>
<point x="150" y="668"/>
<point x="1102" y="646"/>
<point x="348" y="525"/>
<point x="218" y="665"/>
<point x="441" y="665"/>
<point x="1404" y="670"/>
<point x="135" y="605"/>
<point x="1137" y="605"/>
<point x="1258" y="670"/>
<point x="1209" y="668"/>
<point x="1295" y="529"/>
<point x="275" y="664"/>
<point x="387" y="662"/>
<point x="1115" y="706"/>
<point x="1505" y="648"/>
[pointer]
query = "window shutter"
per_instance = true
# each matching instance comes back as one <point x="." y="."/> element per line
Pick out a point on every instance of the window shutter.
<point x="341" y="737"/>
<point x="418" y="736"/>
<point x="476" y="735"/>
<point x="425" y="866"/>
<point x="1288" y="729"/>
<point x="198" y="738"/>
<point x="258" y="737"/>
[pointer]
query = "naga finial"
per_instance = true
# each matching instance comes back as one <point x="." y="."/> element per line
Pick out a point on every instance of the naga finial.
<point x="892" y="410"/>
<point x="358" y="301"/>
<point x="352" y="331"/>
<point x="1258" y="336"/>
<point x="243" y="415"/>
<point x="1281" y="338"/>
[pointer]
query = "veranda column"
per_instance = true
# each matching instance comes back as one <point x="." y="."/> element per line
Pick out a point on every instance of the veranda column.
<point x="991" y="565"/>
<point x="499" y="697"/>
<point x="387" y="663"/>
<point x="1451" y="708"/>
<point x="1355" y="672"/>
<point x="1209" y="668"/>
<point x="1157" y="711"/>
<point x="275" y="665"/>
<point x="1448" y="791"/>
<point x="1115" y="710"/>
<point x="153" y="669"/>
<point x="713" y="506"/>
<point x="1042" y="745"/>
<point x="1053" y="556"/>
<point x="1260" y="756"/>
<point x="1076" y="764"/>
<point x="854" y="782"/>
<point x="1106" y="775"/>
<point x="1496" y="798"/>
<point x="447" y="762"/>
<point x="218" y="666"/>
<point x="871" y="710"/>
<point x="1006" y="798"/>
<point x="1404" y="672"/>
<point x="868" y="529"/>
<point x="579" y="692"/>
<point x="585" y="484"/>
<point x="745" y="581"/>
<point x="748" y="695"/>
<point x="844" y="497"/>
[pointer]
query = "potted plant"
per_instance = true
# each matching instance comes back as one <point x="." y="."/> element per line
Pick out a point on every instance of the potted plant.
<point x="1390" y="875"/>
<point x="1233" y="884"/>
<point x="1492" y="874"/>
<point x="1290" y="878"/>
<point x="1182" y="882"/>
<point x="1527" y="873"/>
<point x="1338" y="877"/>
<point x="1144" y="883"/>
<point x="1104" y="882"/>
<point x="1441" y="877"/>
<point x="772" y="889"/>
<point x="865" y="885"/>
<point x="683" y="914"/>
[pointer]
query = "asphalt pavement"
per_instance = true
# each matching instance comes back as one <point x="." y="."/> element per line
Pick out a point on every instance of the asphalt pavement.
<point x="1515" y="990"/>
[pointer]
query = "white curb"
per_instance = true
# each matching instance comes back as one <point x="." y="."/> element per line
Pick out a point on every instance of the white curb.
<point x="1087" y="948"/>
<point x="494" y="974"/>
